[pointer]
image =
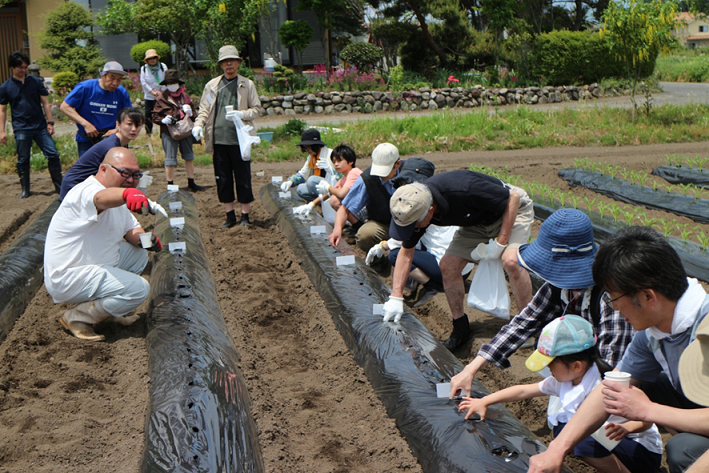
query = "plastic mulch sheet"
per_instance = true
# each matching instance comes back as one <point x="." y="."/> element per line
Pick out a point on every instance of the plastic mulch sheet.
<point x="694" y="259"/>
<point x="618" y="189"/>
<point x="200" y="415"/>
<point x="683" y="175"/>
<point x="21" y="270"/>
<point x="403" y="362"/>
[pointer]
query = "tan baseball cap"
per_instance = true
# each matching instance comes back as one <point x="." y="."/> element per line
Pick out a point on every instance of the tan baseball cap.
<point x="694" y="366"/>
<point x="408" y="205"/>
<point x="151" y="53"/>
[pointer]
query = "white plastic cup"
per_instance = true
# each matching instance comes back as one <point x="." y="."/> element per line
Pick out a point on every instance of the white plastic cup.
<point x="618" y="377"/>
<point x="600" y="437"/>
<point x="146" y="239"/>
<point x="229" y="108"/>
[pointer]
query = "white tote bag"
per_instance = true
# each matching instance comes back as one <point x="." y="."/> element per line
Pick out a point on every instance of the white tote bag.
<point x="245" y="140"/>
<point x="488" y="291"/>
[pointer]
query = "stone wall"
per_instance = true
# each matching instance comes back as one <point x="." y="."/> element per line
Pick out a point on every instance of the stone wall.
<point x="424" y="98"/>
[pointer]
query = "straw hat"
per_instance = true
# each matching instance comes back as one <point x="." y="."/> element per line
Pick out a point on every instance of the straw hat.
<point x="694" y="366"/>
<point x="151" y="53"/>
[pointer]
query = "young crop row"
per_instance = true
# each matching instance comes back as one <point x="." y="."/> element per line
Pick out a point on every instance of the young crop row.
<point x="641" y="177"/>
<point x="628" y="215"/>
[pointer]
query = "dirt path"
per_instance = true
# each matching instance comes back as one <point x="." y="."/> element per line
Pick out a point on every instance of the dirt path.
<point x="69" y="406"/>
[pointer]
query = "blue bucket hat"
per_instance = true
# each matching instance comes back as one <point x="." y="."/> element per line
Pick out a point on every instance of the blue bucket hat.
<point x="564" y="250"/>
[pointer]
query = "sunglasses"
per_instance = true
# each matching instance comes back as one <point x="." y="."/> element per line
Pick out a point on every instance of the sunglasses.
<point x="125" y="173"/>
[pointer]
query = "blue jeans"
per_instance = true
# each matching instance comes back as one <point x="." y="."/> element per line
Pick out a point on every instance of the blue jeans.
<point x="83" y="146"/>
<point x="307" y="191"/>
<point x="24" y="148"/>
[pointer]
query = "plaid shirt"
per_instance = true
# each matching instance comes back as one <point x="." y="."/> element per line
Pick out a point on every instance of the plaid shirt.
<point x="614" y="333"/>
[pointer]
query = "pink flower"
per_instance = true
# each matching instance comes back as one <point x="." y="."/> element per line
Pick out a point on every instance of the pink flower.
<point x="452" y="79"/>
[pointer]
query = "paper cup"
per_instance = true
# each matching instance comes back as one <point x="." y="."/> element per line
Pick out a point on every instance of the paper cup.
<point x="145" y="239"/>
<point x="618" y="377"/>
<point x="600" y="437"/>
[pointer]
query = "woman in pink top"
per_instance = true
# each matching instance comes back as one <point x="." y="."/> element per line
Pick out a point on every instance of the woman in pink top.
<point x="343" y="158"/>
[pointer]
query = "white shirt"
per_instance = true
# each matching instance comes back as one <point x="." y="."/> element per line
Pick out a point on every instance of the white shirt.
<point x="79" y="239"/>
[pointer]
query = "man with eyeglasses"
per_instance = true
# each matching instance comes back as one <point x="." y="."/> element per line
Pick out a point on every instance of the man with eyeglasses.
<point x="647" y="283"/>
<point x="31" y="120"/>
<point x="129" y="124"/>
<point x="92" y="253"/>
<point x="94" y="105"/>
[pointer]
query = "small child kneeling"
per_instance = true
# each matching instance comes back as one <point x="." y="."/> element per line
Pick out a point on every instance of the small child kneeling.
<point x="567" y="346"/>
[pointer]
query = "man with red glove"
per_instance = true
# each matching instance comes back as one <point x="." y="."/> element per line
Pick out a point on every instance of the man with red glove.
<point x="92" y="254"/>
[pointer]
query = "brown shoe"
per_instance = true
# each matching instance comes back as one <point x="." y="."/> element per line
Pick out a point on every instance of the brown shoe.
<point x="126" y="320"/>
<point x="81" y="330"/>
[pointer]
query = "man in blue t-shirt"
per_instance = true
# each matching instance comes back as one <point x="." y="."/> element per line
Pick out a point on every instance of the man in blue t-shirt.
<point x="94" y="106"/>
<point x="129" y="123"/>
<point x="31" y="120"/>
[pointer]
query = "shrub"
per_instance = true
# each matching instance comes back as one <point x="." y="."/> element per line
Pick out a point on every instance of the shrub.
<point x="137" y="52"/>
<point x="570" y="57"/>
<point x="363" y="56"/>
<point x="294" y="127"/>
<point x="66" y="79"/>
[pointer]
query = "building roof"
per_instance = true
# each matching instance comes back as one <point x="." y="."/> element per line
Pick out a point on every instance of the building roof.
<point x="698" y="37"/>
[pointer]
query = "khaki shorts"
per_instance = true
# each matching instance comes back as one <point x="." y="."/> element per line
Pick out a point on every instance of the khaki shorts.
<point x="466" y="239"/>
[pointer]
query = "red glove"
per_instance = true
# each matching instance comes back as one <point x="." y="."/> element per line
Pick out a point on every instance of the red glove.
<point x="156" y="243"/>
<point x="136" y="200"/>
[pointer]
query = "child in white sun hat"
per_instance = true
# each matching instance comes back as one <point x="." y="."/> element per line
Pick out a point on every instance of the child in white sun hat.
<point x="567" y="346"/>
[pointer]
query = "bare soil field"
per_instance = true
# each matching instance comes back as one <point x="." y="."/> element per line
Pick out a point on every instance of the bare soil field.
<point x="71" y="406"/>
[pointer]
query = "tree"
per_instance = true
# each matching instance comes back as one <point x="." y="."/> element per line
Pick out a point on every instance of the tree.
<point x="335" y="16"/>
<point x="637" y="32"/>
<point x="218" y="22"/>
<point x="296" y="34"/>
<point x="69" y="41"/>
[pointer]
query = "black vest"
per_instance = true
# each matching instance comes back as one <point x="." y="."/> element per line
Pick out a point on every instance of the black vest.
<point x="378" y="206"/>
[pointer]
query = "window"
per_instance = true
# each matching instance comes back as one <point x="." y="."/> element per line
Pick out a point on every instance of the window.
<point x="703" y="28"/>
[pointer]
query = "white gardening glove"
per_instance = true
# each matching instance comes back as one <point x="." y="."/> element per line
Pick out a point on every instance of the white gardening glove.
<point x="303" y="209"/>
<point x="285" y="187"/>
<point x="323" y="163"/>
<point x="323" y="187"/>
<point x="377" y="251"/>
<point x="488" y="251"/>
<point x="235" y="113"/>
<point x="187" y="109"/>
<point x="197" y="133"/>
<point x="393" y="309"/>
<point x="168" y="120"/>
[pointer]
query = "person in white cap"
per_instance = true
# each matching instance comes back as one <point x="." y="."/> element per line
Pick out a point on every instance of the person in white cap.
<point x="646" y="282"/>
<point x="94" y="105"/>
<point x="152" y="74"/>
<point x="495" y="219"/>
<point x="694" y="375"/>
<point x="93" y="256"/>
<point x="372" y="191"/>
<point x="225" y="97"/>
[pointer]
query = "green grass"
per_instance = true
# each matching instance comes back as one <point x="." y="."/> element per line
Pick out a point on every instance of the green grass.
<point x="450" y="130"/>
<point x="683" y="66"/>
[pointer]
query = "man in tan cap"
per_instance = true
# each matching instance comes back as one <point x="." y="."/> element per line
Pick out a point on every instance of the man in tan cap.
<point x="151" y="74"/>
<point x="223" y="98"/>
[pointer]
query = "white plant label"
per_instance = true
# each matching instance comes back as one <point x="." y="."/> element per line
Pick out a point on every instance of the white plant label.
<point x="277" y="179"/>
<point x="173" y="188"/>
<point x="345" y="260"/>
<point x="285" y="195"/>
<point x="177" y="222"/>
<point x="175" y="206"/>
<point x="377" y="309"/>
<point x="177" y="247"/>
<point x="315" y="229"/>
<point x="444" y="390"/>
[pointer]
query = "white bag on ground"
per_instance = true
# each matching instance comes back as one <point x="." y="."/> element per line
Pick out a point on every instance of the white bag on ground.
<point x="488" y="291"/>
<point x="245" y="140"/>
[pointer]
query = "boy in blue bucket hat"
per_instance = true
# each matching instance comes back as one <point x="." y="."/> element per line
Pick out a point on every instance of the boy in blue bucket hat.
<point x="562" y="255"/>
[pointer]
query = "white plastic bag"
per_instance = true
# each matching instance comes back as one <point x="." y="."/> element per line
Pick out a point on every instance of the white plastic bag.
<point x="328" y="212"/>
<point x="245" y="140"/>
<point x="488" y="291"/>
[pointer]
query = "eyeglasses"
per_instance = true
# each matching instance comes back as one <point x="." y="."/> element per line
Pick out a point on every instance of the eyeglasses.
<point x="125" y="173"/>
<point x="610" y="301"/>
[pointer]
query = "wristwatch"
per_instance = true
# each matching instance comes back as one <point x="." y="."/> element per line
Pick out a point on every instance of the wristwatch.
<point x="50" y="123"/>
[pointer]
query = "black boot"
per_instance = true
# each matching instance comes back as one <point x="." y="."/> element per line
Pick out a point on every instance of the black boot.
<point x="245" y="220"/>
<point x="460" y="334"/>
<point x="230" y="220"/>
<point x="56" y="173"/>
<point x="25" y="183"/>
<point x="193" y="186"/>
